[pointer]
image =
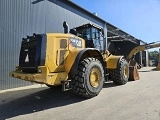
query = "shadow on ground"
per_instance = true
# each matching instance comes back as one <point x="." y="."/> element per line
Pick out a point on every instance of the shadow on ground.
<point x="28" y="101"/>
<point x="109" y="84"/>
<point x="44" y="99"/>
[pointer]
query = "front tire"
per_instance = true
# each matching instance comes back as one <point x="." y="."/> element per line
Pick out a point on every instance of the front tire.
<point x="89" y="78"/>
<point x="120" y="75"/>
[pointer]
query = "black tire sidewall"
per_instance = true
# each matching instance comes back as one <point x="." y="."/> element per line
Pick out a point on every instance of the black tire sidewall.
<point x="93" y="90"/>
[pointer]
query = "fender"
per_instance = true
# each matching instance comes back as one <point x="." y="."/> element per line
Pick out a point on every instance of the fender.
<point x="74" y="58"/>
<point x="113" y="61"/>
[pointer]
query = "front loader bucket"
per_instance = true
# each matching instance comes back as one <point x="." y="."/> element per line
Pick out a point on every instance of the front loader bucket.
<point x="157" y="68"/>
<point x="133" y="71"/>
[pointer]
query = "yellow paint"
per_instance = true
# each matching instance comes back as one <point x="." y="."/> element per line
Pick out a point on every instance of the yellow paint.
<point x="141" y="48"/>
<point x="70" y="59"/>
<point x="51" y="78"/>
<point x="95" y="77"/>
<point x="112" y="61"/>
<point x="125" y="72"/>
<point x="53" y="52"/>
<point x="53" y="72"/>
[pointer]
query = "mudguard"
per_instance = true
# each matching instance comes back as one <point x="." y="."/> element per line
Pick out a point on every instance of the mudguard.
<point x="74" y="58"/>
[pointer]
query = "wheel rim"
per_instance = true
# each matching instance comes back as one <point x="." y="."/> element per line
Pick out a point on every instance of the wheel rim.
<point x="95" y="77"/>
<point x="125" y="72"/>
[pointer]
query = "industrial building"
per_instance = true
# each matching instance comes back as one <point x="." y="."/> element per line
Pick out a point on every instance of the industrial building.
<point x="20" y="18"/>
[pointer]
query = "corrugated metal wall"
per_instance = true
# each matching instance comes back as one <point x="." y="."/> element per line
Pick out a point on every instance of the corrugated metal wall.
<point x="19" y="18"/>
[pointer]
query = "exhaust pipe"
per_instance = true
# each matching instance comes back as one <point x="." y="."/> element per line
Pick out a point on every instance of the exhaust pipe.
<point x="66" y="27"/>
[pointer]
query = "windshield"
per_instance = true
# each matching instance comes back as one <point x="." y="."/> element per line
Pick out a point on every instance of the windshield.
<point x="93" y="37"/>
<point x="84" y="33"/>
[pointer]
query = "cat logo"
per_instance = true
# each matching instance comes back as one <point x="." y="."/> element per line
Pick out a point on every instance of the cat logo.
<point x="76" y="42"/>
<point x="27" y="59"/>
<point x="79" y="43"/>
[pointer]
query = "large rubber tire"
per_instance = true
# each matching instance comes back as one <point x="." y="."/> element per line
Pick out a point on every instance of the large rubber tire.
<point x="82" y="83"/>
<point x="120" y="75"/>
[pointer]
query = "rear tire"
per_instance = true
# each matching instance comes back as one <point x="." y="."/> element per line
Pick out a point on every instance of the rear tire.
<point x="120" y="75"/>
<point x="89" y="78"/>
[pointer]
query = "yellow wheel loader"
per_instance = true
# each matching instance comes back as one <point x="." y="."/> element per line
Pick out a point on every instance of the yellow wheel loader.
<point x="77" y="61"/>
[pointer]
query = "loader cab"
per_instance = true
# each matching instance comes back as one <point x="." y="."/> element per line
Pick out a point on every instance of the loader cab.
<point x="93" y="35"/>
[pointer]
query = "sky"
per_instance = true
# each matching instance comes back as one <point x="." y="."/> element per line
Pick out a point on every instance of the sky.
<point x="140" y="18"/>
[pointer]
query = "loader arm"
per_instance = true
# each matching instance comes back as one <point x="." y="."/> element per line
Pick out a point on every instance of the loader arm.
<point x="133" y="68"/>
<point x="141" y="48"/>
